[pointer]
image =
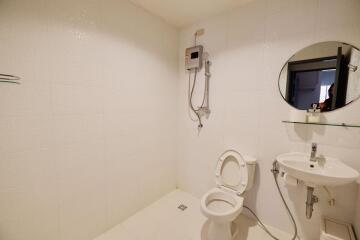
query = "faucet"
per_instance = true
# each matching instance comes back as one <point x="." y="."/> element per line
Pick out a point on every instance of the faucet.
<point x="313" y="152"/>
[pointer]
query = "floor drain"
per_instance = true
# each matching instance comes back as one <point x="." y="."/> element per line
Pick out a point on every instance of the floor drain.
<point x="182" y="207"/>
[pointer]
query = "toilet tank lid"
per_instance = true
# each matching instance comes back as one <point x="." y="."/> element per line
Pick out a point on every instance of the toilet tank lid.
<point x="249" y="159"/>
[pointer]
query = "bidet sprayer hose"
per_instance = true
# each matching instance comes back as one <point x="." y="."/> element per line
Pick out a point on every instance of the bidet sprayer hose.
<point x="275" y="171"/>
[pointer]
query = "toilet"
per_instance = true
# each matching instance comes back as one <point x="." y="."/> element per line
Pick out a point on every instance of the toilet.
<point x="234" y="174"/>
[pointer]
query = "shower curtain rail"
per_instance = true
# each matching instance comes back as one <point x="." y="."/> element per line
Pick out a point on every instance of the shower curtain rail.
<point x="6" y="78"/>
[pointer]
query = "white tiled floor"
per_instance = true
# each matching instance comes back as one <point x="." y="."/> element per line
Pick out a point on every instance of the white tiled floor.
<point x="162" y="220"/>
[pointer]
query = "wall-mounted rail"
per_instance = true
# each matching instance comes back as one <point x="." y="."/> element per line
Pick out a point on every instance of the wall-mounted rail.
<point x="6" y="78"/>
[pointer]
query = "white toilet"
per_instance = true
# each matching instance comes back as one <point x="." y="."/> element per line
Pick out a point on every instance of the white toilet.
<point x="234" y="175"/>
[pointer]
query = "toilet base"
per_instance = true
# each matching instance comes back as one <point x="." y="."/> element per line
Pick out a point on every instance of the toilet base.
<point x="223" y="231"/>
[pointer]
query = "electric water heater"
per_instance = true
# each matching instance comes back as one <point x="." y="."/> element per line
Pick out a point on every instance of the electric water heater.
<point x="194" y="57"/>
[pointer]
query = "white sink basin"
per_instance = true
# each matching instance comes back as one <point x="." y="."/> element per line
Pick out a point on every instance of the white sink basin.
<point x="326" y="172"/>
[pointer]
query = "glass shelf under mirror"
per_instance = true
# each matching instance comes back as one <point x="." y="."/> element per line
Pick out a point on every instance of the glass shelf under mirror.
<point x="325" y="124"/>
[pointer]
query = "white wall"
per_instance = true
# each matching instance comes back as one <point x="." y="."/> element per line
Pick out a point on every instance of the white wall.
<point x="88" y="137"/>
<point x="353" y="84"/>
<point x="248" y="48"/>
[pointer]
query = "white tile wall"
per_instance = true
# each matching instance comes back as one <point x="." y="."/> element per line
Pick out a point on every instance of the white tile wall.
<point x="95" y="112"/>
<point x="248" y="47"/>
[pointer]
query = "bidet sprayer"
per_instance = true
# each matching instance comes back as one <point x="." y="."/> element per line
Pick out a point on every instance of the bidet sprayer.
<point x="275" y="168"/>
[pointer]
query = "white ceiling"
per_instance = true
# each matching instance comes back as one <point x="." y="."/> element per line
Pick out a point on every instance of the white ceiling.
<point x="184" y="12"/>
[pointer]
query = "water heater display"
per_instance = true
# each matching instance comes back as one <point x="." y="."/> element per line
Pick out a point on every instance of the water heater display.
<point x="194" y="55"/>
<point x="193" y="58"/>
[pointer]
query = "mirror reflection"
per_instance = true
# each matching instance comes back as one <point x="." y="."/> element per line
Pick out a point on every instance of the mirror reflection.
<point x="322" y="76"/>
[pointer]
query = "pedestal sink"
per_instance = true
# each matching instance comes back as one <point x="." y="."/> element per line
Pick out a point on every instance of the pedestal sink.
<point x="326" y="171"/>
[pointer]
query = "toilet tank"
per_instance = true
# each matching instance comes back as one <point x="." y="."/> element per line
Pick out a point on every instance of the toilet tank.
<point x="251" y="166"/>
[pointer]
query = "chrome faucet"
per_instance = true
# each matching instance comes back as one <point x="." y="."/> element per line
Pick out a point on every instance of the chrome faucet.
<point x="313" y="152"/>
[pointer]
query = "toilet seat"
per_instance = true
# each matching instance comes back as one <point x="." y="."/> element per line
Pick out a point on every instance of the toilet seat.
<point x="231" y="172"/>
<point x="221" y="198"/>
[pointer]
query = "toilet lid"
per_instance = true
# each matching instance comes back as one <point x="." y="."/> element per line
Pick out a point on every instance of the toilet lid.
<point x="231" y="172"/>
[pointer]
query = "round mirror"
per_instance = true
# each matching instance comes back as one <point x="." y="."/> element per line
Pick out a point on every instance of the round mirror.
<point x="323" y="76"/>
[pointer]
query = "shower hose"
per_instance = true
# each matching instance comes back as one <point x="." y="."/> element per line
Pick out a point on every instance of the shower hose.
<point x="275" y="172"/>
